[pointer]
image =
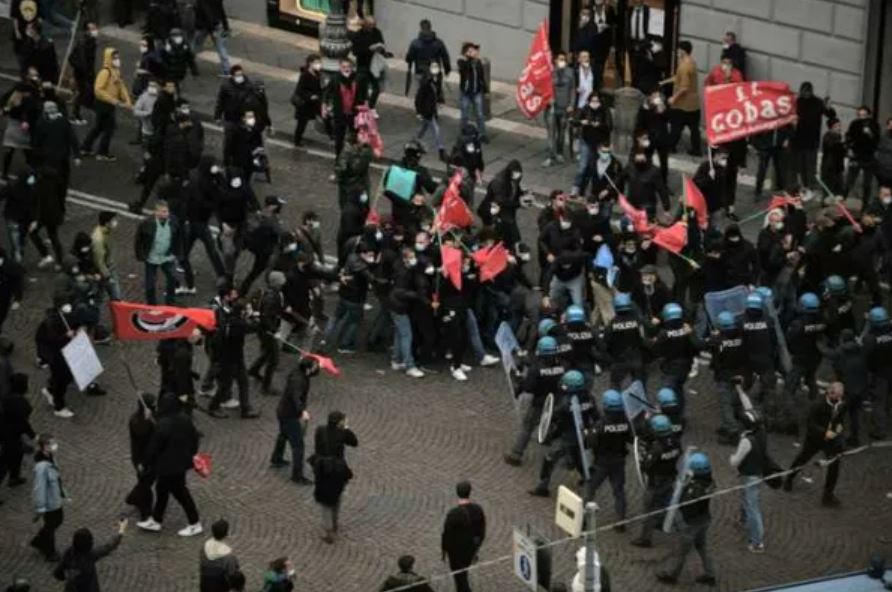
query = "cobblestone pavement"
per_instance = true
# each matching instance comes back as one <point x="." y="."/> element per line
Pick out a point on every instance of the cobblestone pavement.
<point x="416" y="440"/>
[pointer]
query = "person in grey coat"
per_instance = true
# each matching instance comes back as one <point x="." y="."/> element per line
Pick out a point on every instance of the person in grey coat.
<point x="48" y="495"/>
<point x="559" y="111"/>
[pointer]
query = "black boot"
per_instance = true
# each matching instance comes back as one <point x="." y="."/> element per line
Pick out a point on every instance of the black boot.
<point x="541" y="490"/>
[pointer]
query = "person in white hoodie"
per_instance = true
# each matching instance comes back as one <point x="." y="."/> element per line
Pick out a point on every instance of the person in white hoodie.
<point x="143" y="108"/>
<point x="218" y="565"/>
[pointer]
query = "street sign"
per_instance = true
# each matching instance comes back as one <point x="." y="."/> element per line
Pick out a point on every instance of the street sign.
<point x="568" y="512"/>
<point x="525" y="560"/>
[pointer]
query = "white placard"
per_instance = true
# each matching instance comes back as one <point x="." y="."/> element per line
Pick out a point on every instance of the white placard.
<point x="80" y="355"/>
<point x="568" y="512"/>
<point x="525" y="560"/>
<point x="656" y="26"/>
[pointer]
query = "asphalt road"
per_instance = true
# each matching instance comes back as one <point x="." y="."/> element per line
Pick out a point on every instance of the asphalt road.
<point x="417" y="438"/>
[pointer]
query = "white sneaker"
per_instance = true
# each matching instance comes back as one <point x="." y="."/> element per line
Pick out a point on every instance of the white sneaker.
<point x="694" y="369"/>
<point x="184" y="290"/>
<point x="230" y="404"/>
<point x="459" y="375"/>
<point x="465" y="368"/>
<point x="489" y="360"/>
<point x="150" y="525"/>
<point x="65" y="413"/>
<point x="45" y="262"/>
<point x="47" y="395"/>
<point x="414" y="373"/>
<point x="397" y="366"/>
<point x="367" y="306"/>
<point x="15" y="305"/>
<point x="191" y="530"/>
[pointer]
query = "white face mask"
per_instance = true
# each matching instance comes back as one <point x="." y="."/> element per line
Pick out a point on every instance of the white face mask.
<point x="726" y="45"/>
<point x="369" y="257"/>
<point x="177" y="40"/>
<point x="113" y="224"/>
<point x="470" y="147"/>
<point x="1" y="260"/>
<point x="379" y="236"/>
<point x="143" y="49"/>
<point x="435" y="70"/>
<point x="411" y="262"/>
<point x="116" y="62"/>
<point x="593" y="209"/>
<point x="604" y="156"/>
<point x="54" y="447"/>
<point x="420" y="246"/>
<point x="645" y="143"/>
<point x="594" y="104"/>
<point x="778" y="225"/>
<point x="215" y="170"/>
<point x="30" y="180"/>
<point x="316" y="66"/>
<point x="886" y="200"/>
<point x="250" y="122"/>
<point x="153" y="91"/>
<point x="314" y="224"/>
<point x="516" y="175"/>
<point x="363" y="197"/>
<point x="565" y="224"/>
<point x="561" y="64"/>
<point x="66" y="309"/>
<point x="235" y="183"/>
<point x="494" y="209"/>
<point x="239" y="78"/>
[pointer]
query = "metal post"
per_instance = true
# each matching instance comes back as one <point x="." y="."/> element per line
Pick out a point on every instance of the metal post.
<point x="590" y="509"/>
<point x="333" y="42"/>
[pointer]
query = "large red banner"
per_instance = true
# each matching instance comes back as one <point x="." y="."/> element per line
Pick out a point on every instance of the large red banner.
<point x="148" y="322"/>
<point x="534" y="87"/>
<point x="743" y="109"/>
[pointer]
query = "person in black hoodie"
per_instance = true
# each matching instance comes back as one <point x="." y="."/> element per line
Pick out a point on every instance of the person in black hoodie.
<point x="177" y="57"/>
<point x="833" y="157"/>
<point x="142" y="429"/>
<point x="425" y="50"/>
<point x="653" y="118"/>
<point x="644" y="184"/>
<point x="247" y="140"/>
<point x="40" y="53"/>
<point x="562" y="243"/>
<point x="772" y="148"/>
<point x="862" y="139"/>
<point x="355" y="277"/>
<point x="473" y="87"/>
<point x="201" y="196"/>
<point x="263" y="232"/>
<point x="234" y="328"/>
<point x="504" y="196"/>
<point x="236" y="202"/>
<point x="595" y="127"/>
<point x="56" y="146"/>
<point x="210" y="19"/>
<point x="271" y="307"/>
<point x="427" y="100"/>
<point x="78" y="565"/>
<point x="83" y="66"/>
<point x="467" y="153"/>
<point x="711" y="179"/>
<point x="293" y="418"/>
<point x="170" y="454"/>
<point x="740" y="258"/>
<point x="307" y="96"/>
<point x="807" y="136"/>
<point x="15" y="412"/>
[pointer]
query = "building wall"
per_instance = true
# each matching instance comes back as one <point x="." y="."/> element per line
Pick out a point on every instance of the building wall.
<point x="821" y="41"/>
<point x="503" y="28"/>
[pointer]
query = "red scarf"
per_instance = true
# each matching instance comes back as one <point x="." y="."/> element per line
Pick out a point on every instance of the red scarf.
<point x="348" y="96"/>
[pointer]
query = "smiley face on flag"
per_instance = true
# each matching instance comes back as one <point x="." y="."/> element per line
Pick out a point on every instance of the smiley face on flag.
<point x="157" y="322"/>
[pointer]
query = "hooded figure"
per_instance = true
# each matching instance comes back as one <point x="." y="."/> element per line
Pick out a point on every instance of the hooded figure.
<point x="503" y="199"/>
<point x="55" y="141"/>
<point x="109" y="91"/>
<point x="330" y="468"/>
<point x="78" y="566"/>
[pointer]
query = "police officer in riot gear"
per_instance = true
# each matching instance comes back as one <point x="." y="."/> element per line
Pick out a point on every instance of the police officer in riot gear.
<point x="671" y="408"/>
<point x="609" y="442"/>
<point x="761" y="350"/>
<point x="659" y="464"/>
<point x="582" y="340"/>
<point x="729" y="364"/>
<point x="837" y="307"/>
<point x="550" y="328"/>
<point x="803" y="334"/>
<point x="541" y="379"/>
<point x="563" y="435"/>
<point x="877" y="340"/>
<point x="676" y="346"/>
<point x="623" y="343"/>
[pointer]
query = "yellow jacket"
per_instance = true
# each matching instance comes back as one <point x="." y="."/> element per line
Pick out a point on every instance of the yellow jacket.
<point x="686" y="86"/>
<point x="109" y="88"/>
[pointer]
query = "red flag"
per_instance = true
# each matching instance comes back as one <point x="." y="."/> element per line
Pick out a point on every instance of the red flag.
<point x="201" y="462"/>
<point x="492" y="261"/>
<point x="638" y="217"/>
<point x="326" y="364"/>
<point x="373" y="219"/>
<point x="366" y="125"/>
<point x="534" y="87"/>
<point x="845" y="212"/>
<point x="673" y="238"/>
<point x="454" y="212"/>
<point x="782" y="201"/>
<point x="147" y="322"/>
<point x="694" y="198"/>
<point x="739" y="110"/>
<point x="451" y="258"/>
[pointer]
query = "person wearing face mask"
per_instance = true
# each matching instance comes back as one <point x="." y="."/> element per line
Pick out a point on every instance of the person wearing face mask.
<point x="428" y="97"/>
<point x="735" y="52"/>
<point x="210" y="20"/>
<point x="595" y="126"/>
<point x="309" y="236"/>
<point x="402" y="295"/>
<point x="467" y="153"/>
<point x="772" y="147"/>
<point x="177" y="57"/>
<point x="594" y="225"/>
<point x="723" y="73"/>
<point x="773" y="247"/>
<point x="366" y="42"/>
<point x="502" y="200"/>
<point x="560" y="109"/>
<point x="862" y="139"/>
<point x="48" y="497"/>
<point x="811" y="111"/>
<point x="604" y="19"/>
<point x="653" y="121"/>
<point x="19" y="211"/>
<point x="883" y="158"/>
<point x="110" y="92"/>
<point x="159" y="242"/>
<point x="83" y="67"/>
<point x="236" y="96"/>
<point x="352" y="175"/>
<point x="39" y="52"/>
<point x="54" y="332"/>
<point x="21" y="107"/>
<point x="262" y="232"/>
<point x="343" y="95"/>
<point x="685" y="101"/>
<point x="56" y="146"/>
<point x="246" y="140"/>
<point x="740" y="258"/>
<point x="236" y="202"/>
<point x="711" y="178"/>
<point x="149" y="66"/>
<point x="142" y="110"/>
<point x="833" y="157"/>
<point x="101" y="249"/>
<point x="425" y="50"/>
<point x="307" y="96"/>
<point x="355" y="278"/>
<point x="562" y="244"/>
<point x="293" y="417"/>
<point x="644" y="184"/>
<point x="650" y="294"/>
<point x="271" y="310"/>
<point x="406" y="213"/>
<point x="49" y="213"/>
<point x="201" y="195"/>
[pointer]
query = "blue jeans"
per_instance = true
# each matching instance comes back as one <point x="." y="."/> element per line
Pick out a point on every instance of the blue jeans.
<point x="290" y="431"/>
<point x="584" y="170"/>
<point x="573" y="287"/>
<point x="171" y="282"/>
<point x="613" y="469"/>
<point x="402" y="339"/>
<point x="473" y="330"/>
<point x="465" y="102"/>
<point x="344" y="325"/>
<point x="434" y="125"/>
<point x="16" y="240"/>
<point x="219" y="38"/>
<point x="750" y="509"/>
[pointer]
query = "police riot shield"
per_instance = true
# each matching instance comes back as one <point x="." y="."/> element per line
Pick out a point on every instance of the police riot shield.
<point x="680" y="481"/>
<point x="545" y="418"/>
<point x="579" y="424"/>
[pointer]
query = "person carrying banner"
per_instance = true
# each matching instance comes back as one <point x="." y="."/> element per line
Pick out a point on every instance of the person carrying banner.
<point x="609" y="442"/>
<point x="694" y="521"/>
<point x="660" y="465"/>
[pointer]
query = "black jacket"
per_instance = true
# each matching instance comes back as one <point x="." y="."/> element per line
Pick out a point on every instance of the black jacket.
<point x="55" y="140"/>
<point x="145" y="236"/>
<point x="428" y="96"/>
<point x="472" y="79"/>
<point x="862" y="138"/>
<point x="293" y="401"/>
<point x="142" y="431"/>
<point x="307" y="95"/>
<point x="741" y="261"/>
<point x="41" y="54"/>
<point x="234" y="99"/>
<point x="645" y="186"/>
<point x="811" y="111"/>
<point x="424" y="50"/>
<point x="463" y="533"/>
<point x="175" y="441"/>
<point x="79" y="569"/>
<point x="209" y="14"/>
<point x="177" y="59"/>
<point x="83" y="58"/>
<point x="364" y="44"/>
